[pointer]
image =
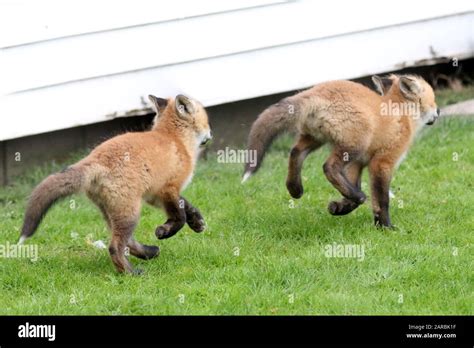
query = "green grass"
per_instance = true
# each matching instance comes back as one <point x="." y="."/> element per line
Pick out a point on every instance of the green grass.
<point x="446" y="96"/>
<point x="281" y="267"/>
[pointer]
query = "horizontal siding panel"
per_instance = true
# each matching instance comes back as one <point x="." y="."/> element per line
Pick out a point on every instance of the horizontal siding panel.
<point x="114" y="52"/>
<point x="30" y="21"/>
<point x="238" y="76"/>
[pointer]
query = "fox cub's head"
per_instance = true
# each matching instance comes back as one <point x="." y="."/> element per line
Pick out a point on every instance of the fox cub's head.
<point x="183" y="112"/>
<point x="412" y="90"/>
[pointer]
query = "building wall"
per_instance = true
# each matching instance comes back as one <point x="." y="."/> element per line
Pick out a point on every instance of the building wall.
<point x="75" y="63"/>
<point x="73" y="73"/>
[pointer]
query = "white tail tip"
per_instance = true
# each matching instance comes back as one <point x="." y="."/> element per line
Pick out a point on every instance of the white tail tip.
<point x="246" y="176"/>
<point x="21" y="240"/>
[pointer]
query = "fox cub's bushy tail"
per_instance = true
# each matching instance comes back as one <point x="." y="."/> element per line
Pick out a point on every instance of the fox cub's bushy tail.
<point x="48" y="192"/>
<point x="272" y="122"/>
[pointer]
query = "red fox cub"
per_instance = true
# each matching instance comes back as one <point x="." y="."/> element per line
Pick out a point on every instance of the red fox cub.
<point x="362" y="127"/>
<point x="155" y="166"/>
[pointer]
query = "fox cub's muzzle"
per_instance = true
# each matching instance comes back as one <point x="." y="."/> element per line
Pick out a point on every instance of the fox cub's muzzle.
<point x="434" y="118"/>
<point x="206" y="138"/>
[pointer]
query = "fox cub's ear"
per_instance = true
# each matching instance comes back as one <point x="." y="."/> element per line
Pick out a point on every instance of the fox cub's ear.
<point x="409" y="87"/>
<point x="158" y="104"/>
<point x="184" y="106"/>
<point x="382" y="84"/>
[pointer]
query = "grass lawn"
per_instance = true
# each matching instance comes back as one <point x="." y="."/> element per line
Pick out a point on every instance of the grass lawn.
<point x="264" y="253"/>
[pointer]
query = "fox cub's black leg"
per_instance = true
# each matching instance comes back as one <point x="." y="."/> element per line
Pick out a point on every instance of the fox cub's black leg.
<point x="121" y="233"/>
<point x="176" y="218"/>
<point x="193" y="216"/>
<point x="334" y="171"/>
<point x="302" y="148"/>
<point x="380" y="176"/>
<point x="342" y="207"/>
<point x="145" y="252"/>
<point x="353" y="173"/>
<point x="381" y="199"/>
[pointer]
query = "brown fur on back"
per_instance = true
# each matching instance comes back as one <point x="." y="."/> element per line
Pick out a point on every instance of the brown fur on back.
<point x="343" y="113"/>
<point x="363" y="128"/>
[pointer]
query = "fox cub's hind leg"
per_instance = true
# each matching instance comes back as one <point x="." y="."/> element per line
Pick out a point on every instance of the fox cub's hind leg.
<point x="303" y="147"/>
<point x="122" y="230"/>
<point x="353" y="173"/>
<point x="145" y="252"/>
<point x="193" y="216"/>
<point x="141" y="251"/>
<point x="334" y="171"/>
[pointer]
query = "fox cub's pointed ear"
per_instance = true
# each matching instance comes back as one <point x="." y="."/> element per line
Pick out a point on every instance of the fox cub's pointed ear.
<point x="409" y="87"/>
<point x="184" y="106"/>
<point x="158" y="104"/>
<point x="382" y="84"/>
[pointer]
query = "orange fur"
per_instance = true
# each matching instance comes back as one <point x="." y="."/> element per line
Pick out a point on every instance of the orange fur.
<point x="155" y="165"/>
<point x="349" y="117"/>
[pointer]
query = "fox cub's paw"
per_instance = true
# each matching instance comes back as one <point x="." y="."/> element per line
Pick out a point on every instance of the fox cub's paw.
<point x="341" y="207"/>
<point x="295" y="188"/>
<point x="164" y="231"/>
<point x="150" y="252"/>
<point x="383" y="222"/>
<point x="197" y="223"/>
<point x="137" y="272"/>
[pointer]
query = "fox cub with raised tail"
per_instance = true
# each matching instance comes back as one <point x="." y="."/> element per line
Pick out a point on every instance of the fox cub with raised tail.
<point x="154" y="166"/>
<point x="363" y="129"/>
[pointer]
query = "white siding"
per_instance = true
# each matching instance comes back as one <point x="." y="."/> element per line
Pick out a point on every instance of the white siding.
<point x="85" y="62"/>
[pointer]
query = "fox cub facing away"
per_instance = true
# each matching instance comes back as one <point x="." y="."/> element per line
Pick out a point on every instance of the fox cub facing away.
<point x="155" y="166"/>
<point x="362" y="127"/>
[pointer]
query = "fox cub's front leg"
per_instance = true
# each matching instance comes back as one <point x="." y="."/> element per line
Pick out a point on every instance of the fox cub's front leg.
<point x="380" y="176"/>
<point x="179" y="212"/>
<point x="176" y="217"/>
<point x="193" y="216"/>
